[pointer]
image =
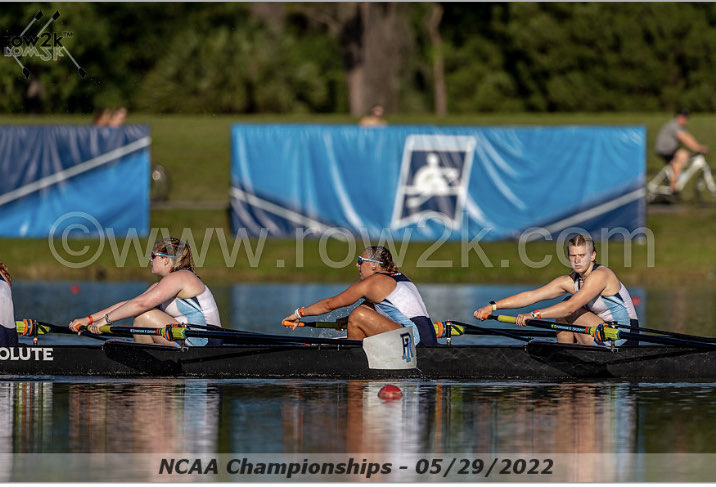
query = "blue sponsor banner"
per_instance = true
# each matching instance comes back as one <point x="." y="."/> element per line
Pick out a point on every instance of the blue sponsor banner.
<point x="74" y="180"/>
<point x="436" y="182"/>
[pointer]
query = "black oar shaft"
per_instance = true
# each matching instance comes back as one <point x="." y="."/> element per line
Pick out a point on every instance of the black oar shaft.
<point x="619" y="333"/>
<point x="668" y="333"/>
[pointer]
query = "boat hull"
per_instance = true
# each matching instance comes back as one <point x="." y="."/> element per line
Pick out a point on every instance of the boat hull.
<point x="536" y="360"/>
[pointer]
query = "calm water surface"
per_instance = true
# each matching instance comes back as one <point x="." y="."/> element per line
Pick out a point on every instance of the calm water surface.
<point x="284" y="417"/>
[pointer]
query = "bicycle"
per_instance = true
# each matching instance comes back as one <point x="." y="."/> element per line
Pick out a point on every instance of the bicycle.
<point x="704" y="185"/>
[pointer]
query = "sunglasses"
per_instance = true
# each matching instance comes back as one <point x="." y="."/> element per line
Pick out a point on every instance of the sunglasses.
<point x="160" y="255"/>
<point x="361" y="260"/>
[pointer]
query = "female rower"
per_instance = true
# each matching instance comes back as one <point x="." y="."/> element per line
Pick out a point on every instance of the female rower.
<point x="8" y="331"/>
<point x="391" y="301"/>
<point x="179" y="297"/>
<point x="597" y="296"/>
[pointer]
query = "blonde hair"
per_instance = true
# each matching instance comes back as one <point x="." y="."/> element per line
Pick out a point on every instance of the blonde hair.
<point x="382" y="254"/>
<point x="5" y="273"/>
<point x="180" y="253"/>
<point x="581" y="239"/>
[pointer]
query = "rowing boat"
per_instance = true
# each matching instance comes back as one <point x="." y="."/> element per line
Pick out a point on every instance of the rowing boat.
<point x="536" y="360"/>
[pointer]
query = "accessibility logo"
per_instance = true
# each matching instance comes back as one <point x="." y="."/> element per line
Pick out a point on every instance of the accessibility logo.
<point x="434" y="176"/>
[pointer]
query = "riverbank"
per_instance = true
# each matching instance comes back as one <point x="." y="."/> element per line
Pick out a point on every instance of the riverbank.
<point x="677" y="249"/>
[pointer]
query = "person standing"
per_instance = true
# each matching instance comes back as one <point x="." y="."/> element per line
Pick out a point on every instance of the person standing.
<point x="673" y="144"/>
<point x="8" y="331"/>
<point x="374" y="117"/>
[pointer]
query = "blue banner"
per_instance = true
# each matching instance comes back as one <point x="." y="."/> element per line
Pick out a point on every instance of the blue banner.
<point x="74" y="180"/>
<point x="436" y="182"/>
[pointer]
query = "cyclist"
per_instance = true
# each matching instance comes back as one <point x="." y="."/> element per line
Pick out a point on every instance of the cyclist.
<point x="669" y="143"/>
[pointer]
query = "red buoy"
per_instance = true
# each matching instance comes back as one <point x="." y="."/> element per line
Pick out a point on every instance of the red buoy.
<point x="390" y="392"/>
<point x="74" y="289"/>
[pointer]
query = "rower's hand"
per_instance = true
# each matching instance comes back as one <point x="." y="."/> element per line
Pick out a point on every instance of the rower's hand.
<point x="521" y="318"/>
<point x="482" y="313"/>
<point x="94" y="328"/>
<point x="77" y="323"/>
<point x="291" y="321"/>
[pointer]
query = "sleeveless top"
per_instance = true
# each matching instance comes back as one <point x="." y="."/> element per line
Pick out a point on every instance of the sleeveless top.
<point x="617" y="308"/>
<point x="7" y="310"/>
<point x="405" y="306"/>
<point x="199" y="310"/>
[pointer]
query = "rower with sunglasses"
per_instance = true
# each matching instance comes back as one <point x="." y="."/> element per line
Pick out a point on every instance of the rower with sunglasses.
<point x="179" y="297"/>
<point x="391" y="301"/>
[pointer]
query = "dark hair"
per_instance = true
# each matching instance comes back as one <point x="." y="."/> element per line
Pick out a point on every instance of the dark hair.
<point x="682" y="111"/>
<point x="5" y="273"/>
<point x="378" y="252"/>
<point x="180" y="252"/>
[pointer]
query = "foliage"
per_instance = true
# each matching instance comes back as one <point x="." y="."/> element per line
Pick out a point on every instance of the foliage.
<point x="292" y="58"/>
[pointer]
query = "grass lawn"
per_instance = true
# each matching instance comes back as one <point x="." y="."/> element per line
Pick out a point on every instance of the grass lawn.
<point x="196" y="152"/>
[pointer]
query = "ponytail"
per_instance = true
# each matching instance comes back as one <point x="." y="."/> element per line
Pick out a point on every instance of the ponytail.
<point x="5" y="273"/>
<point x="382" y="254"/>
<point x="180" y="252"/>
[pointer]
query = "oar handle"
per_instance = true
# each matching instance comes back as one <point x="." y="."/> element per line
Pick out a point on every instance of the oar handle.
<point x="504" y="318"/>
<point x="600" y="332"/>
<point x="314" y="324"/>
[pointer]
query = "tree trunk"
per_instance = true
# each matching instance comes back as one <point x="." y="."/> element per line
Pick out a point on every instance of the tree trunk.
<point x="440" y="89"/>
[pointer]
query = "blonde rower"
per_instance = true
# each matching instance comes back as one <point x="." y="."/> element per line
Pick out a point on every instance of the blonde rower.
<point x="597" y="296"/>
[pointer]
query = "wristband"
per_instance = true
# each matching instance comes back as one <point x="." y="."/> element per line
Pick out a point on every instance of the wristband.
<point x="107" y="320"/>
<point x="494" y="305"/>
<point x="91" y="320"/>
<point x="537" y="314"/>
<point x="299" y="312"/>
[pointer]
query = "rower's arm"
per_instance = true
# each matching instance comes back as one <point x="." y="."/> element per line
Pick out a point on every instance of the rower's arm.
<point x="553" y="289"/>
<point x="351" y="295"/>
<point x="593" y="286"/>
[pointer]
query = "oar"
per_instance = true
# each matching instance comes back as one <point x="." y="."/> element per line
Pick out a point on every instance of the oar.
<point x="443" y="329"/>
<point x="606" y="333"/>
<point x="456" y="328"/>
<point x="28" y="327"/>
<point x="668" y="333"/>
<point x="175" y="332"/>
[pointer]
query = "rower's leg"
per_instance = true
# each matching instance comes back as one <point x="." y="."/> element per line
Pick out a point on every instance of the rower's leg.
<point x="581" y="317"/>
<point x="153" y="318"/>
<point x="364" y="321"/>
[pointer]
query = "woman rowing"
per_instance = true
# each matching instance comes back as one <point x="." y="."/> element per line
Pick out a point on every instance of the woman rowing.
<point x="391" y="301"/>
<point x="597" y="296"/>
<point x="179" y="297"/>
<point x="8" y="331"/>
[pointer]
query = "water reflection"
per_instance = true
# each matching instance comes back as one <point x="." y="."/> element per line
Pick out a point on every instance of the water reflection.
<point x="328" y="416"/>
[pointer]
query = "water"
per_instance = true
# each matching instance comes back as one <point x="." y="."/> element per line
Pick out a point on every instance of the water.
<point x="91" y="429"/>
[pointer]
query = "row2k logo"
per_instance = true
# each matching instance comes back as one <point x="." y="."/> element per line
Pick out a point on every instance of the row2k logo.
<point x="434" y="176"/>
<point x="46" y="46"/>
